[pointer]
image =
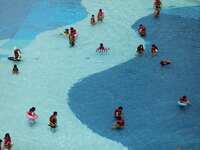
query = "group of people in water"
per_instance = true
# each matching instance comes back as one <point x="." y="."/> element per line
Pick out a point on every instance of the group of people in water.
<point x="6" y="143"/>
<point x="100" y="17"/>
<point x="32" y="117"/>
<point x="142" y="32"/>
<point x="183" y="101"/>
<point x="72" y="35"/>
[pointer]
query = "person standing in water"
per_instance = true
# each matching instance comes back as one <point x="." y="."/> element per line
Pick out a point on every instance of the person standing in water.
<point x="53" y="120"/>
<point x="7" y="142"/>
<point x="100" y="15"/>
<point x="92" y="20"/>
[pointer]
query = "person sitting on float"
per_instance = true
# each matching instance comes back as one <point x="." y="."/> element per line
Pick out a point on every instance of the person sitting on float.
<point x="31" y="115"/>
<point x="17" y="54"/>
<point x="184" y="100"/>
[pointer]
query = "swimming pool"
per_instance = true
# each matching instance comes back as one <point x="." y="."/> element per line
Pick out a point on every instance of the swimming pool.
<point x="50" y="70"/>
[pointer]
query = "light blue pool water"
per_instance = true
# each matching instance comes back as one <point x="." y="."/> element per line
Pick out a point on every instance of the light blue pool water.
<point x="85" y="87"/>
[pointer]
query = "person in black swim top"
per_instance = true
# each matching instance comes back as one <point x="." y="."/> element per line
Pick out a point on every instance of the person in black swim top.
<point x="140" y="49"/>
<point x="15" y="69"/>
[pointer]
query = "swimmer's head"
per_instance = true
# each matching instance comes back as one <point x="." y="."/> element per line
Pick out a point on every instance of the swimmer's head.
<point x="55" y="113"/>
<point x="15" y="66"/>
<point x="1" y="141"/>
<point x="100" y="10"/>
<point x="101" y="44"/>
<point x="120" y="107"/>
<point x="32" y="109"/>
<point x="92" y="16"/>
<point x="7" y="135"/>
<point x="184" y="97"/>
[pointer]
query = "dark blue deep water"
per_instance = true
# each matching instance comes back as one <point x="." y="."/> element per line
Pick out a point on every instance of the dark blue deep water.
<point x="147" y="91"/>
<point x="22" y="20"/>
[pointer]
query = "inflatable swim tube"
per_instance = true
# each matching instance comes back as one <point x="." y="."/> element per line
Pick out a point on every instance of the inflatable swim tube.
<point x="182" y="104"/>
<point x="31" y="117"/>
<point x="14" y="59"/>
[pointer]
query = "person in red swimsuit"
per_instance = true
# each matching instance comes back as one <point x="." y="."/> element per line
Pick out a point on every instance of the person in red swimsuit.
<point x="142" y="30"/>
<point x="100" y="15"/>
<point x="53" y="120"/>
<point x="7" y="141"/>
<point x="118" y="112"/>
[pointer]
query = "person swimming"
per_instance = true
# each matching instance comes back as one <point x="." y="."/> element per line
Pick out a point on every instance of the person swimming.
<point x="31" y="115"/>
<point x="53" y="120"/>
<point x="15" y="69"/>
<point x="183" y="100"/>
<point x="101" y="48"/>
<point x="118" y="112"/>
<point x="154" y="49"/>
<point x="165" y="62"/>
<point x="7" y="142"/>
<point x="100" y="15"/>
<point x="142" y="30"/>
<point x="92" y="20"/>
<point x="140" y="49"/>
<point x="17" y="54"/>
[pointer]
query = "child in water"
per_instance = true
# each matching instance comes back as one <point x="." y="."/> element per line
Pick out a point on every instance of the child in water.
<point x="142" y="30"/>
<point x="100" y="15"/>
<point x="53" y="120"/>
<point x="154" y="49"/>
<point x="15" y="69"/>
<point x="140" y="49"/>
<point x="7" y="142"/>
<point x="92" y="20"/>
